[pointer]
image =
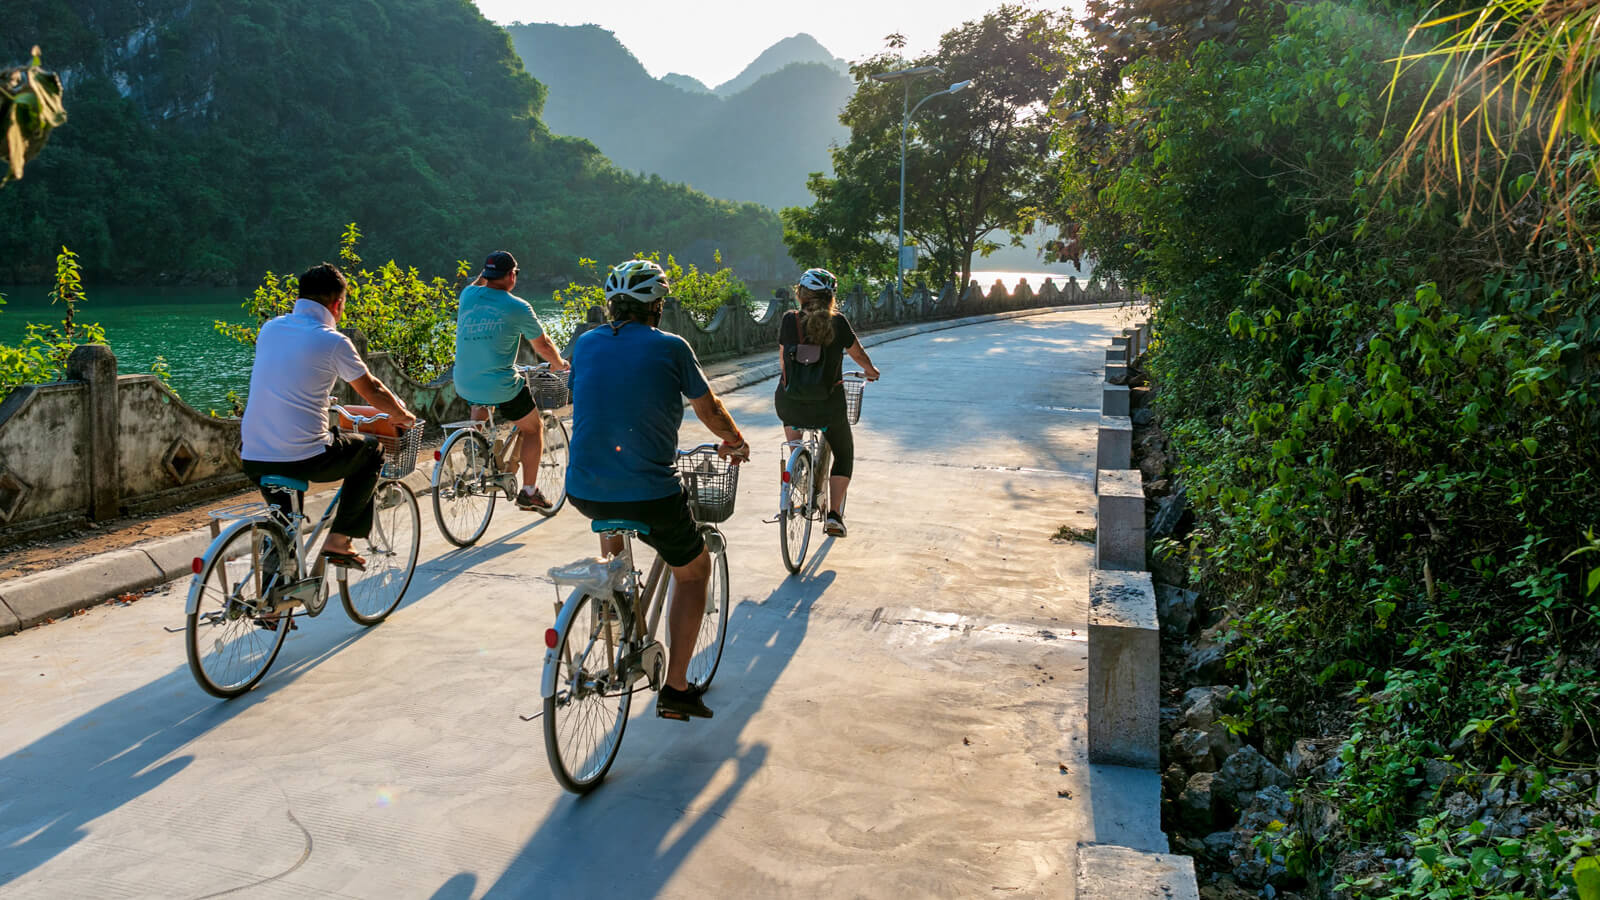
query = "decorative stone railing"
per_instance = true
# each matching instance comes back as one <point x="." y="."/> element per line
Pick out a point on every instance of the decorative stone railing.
<point x="98" y="445"/>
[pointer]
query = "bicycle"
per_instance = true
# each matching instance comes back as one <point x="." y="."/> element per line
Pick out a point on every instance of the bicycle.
<point x="475" y="465"/>
<point x="604" y="640"/>
<point x="803" y="497"/>
<point x="254" y="573"/>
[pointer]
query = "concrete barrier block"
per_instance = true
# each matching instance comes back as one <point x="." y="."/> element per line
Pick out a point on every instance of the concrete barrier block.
<point x="1116" y="372"/>
<point x="1109" y="872"/>
<point x="1131" y="335"/>
<point x="1118" y="352"/>
<point x="1124" y="670"/>
<point x="59" y="592"/>
<point x="1116" y="400"/>
<point x="1119" y="529"/>
<point x="1115" y="448"/>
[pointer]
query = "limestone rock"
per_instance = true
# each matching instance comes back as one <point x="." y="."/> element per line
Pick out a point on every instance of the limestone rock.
<point x="1196" y="808"/>
<point x="1191" y="748"/>
<point x="1246" y="772"/>
<point x="1176" y="608"/>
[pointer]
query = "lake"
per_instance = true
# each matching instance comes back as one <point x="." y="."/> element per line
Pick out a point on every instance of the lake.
<point x="177" y="323"/>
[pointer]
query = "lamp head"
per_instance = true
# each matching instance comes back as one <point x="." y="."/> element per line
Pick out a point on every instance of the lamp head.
<point x="904" y="74"/>
<point x="959" y="86"/>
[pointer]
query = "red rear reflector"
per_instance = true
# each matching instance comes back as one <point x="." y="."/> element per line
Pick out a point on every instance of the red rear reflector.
<point x="197" y="565"/>
<point x="437" y="456"/>
<point x="785" y="476"/>
<point x="550" y="637"/>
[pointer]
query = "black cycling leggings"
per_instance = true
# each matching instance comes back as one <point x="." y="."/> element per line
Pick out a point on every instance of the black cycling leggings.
<point x="829" y="415"/>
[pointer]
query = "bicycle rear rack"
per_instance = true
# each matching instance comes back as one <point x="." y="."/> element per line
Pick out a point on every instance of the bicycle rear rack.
<point x="241" y="511"/>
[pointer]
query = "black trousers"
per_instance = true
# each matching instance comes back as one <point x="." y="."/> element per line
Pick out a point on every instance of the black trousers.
<point x="829" y="414"/>
<point x="355" y="459"/>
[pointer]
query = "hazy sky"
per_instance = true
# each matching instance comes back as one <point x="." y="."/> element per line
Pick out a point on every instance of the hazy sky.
<point x="714" y="39"/>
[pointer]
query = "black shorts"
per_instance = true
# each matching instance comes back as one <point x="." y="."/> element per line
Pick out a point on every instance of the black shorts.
<point x="673" y="531"/>
<point x="518" y="407"/>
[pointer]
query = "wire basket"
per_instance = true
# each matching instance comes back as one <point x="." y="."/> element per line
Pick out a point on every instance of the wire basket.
<point x="400" y="451"/>
<point x="551" y="390"/>
<point x="854" y="388"/>
<point x="711" y="483"/>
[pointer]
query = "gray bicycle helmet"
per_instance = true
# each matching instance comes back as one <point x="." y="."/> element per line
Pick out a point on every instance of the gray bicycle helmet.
<point x="819" y="281"/>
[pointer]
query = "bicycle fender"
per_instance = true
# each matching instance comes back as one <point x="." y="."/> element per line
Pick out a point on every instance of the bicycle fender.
<point x="783" y="489"/>
<point x="547" y="681"/>
<point x="192" y="605"/>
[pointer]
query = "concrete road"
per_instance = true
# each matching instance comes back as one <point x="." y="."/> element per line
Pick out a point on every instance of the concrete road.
<point x="904" y="719"/>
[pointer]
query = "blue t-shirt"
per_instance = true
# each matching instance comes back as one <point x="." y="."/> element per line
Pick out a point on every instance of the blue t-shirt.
<point x="489" y="326"/>
<point x="627" y="406"/>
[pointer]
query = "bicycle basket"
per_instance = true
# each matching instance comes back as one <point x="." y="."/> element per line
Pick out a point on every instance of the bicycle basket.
<point x="711" y="483"/>
<point x="853" y="389"/>
<point x="551" y="390"/>
<point x="400" y="451"/>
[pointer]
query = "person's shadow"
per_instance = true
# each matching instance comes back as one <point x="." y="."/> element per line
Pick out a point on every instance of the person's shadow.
<point x="636" y="829"/>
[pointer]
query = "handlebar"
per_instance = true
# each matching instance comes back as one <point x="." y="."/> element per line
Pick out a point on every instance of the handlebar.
<point x="357" y="420"/>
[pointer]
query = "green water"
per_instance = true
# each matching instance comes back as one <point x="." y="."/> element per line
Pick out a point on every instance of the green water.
<point x="177" y="323"/>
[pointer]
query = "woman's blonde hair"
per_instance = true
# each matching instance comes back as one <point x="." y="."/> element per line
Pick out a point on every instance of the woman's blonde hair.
<point x="816" y="315"/>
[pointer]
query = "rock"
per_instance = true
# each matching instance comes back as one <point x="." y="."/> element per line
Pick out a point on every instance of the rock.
<point x="1202" y="705"/>
<point x="1191" y="748"/>
<point x="1169" y="569"/>
<point x="1169" y="511"/>
<point x="1461" y="808"/>
<point x="1143" y="416"/>
<point x="1195" y="804"/>
<point x="1219" y="845"/>
<point x="1174" y="780"/>
<point x="1205" y="661"/>
<point x="1320" y="818"/>
<point x="1244" y="772"/>
<point x="1437" y="772"/>
<point x="1157" y="488"/>
<point x="1175" y="608"/>
<point x="1305" y="756"/>
<point x="1268" y="805"/>
<point x="1224" y="743"/>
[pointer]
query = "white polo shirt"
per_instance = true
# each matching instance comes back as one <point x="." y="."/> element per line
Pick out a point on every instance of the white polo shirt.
<point x="298" y="357"/>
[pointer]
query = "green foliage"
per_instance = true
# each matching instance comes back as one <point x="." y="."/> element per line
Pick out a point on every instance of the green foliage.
<point x="977" y="162"/>
<point x="249" y="138"/>
<point x="42" y="354"/>
<point x="1389" y="425"/>
<point x="700" y="293"/>
<point x="413" y="319"/>
<point x="30" y="108"/>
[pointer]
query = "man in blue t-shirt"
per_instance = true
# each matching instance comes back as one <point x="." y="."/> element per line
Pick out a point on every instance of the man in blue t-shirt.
<point x="628" y="385"/>
<point x="490" y="327"/>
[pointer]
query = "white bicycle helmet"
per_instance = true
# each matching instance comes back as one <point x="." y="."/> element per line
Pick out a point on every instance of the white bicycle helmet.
<point x="820" y="281"/>
<point x="639" y="280"/>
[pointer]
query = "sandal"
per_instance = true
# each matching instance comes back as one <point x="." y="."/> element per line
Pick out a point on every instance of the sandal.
<point x="346" y="559"/>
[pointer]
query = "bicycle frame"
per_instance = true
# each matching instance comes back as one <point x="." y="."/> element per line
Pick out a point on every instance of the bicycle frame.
<point x="648" y="604"/>
<point x="247" y="516"/>
<point x="813" y="441"/>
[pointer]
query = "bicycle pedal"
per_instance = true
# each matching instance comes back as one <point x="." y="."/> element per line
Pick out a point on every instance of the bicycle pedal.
<point x="671" y="714"/>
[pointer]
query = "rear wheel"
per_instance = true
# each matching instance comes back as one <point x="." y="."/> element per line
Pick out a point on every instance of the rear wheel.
<point x="552" y="480"/>
<point x="585" y="717"/>
<point x="391" y="552"/>
<point x="463" y="488"/>
<point x="229" y="650"/>
<point x="795" y="532"/>
<point x="714" y="624"/>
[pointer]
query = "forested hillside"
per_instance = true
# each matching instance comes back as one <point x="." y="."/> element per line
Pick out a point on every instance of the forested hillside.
<point x="209" y="140"/>
<point x="756" y="144"/>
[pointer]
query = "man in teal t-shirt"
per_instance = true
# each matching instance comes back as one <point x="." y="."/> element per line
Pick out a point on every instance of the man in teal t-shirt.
<point x="490" y="327"/>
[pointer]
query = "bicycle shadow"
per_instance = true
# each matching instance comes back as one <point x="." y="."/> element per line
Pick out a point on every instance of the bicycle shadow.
<point x="654" y="809"/>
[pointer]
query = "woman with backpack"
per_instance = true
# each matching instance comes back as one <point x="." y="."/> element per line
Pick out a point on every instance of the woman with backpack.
<point x="812" y="342"/>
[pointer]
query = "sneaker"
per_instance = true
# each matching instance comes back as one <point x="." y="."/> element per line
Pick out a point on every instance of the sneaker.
<point x="672" y="703"/>
<point x="529" y="498"/>
<point x="835" y="525"/>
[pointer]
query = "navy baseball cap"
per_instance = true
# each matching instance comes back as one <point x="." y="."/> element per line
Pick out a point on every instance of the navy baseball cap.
<point x="498" y="265"/>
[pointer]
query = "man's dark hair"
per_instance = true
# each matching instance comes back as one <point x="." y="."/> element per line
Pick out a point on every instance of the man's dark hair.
<point x="624" y="310"/>
<point x="323" y="283"/>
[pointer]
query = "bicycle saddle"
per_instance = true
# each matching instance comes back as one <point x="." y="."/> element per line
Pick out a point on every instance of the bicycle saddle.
<point x="600" y="526"/>
<point x="285" y="482"/>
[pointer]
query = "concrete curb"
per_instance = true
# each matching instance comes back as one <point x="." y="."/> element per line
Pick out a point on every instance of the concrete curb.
<point x="57" y="593"/>
<point x="1109" y="872"/>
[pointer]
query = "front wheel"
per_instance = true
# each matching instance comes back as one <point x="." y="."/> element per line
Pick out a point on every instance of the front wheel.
<point x="229" y="649"/>
<point x="586" y="714"/>
<point x="391" y="551"/>
<point x="463" y="488"/>
<point x="552" y="481"/>
<point x="795" y="518"/>
<point x="714" y="624"/>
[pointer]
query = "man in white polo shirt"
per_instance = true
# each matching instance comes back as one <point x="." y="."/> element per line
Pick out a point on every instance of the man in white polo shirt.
<point x="285" y="428"/>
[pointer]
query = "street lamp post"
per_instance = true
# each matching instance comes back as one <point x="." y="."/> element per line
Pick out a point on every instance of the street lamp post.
<point x="905" y="76"/>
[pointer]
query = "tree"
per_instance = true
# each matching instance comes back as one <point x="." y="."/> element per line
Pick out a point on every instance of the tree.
<point x="977" y="163"/>
<point x="30" y="108"/>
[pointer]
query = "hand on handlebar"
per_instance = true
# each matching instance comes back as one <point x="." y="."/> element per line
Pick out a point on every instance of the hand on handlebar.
<point x="406" y="419"/>
<point x="559" y="365"/>
<point x="736" y="453"/>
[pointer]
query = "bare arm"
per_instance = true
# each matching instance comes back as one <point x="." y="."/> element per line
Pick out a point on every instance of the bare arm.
<point x="715" y="416"/>
<point x="859" y="354"/>
<point x="376" y="394"/>
<point x="546" y="348"/>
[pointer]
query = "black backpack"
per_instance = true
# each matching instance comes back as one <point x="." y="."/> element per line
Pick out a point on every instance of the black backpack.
<point x="805" y="375"/>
